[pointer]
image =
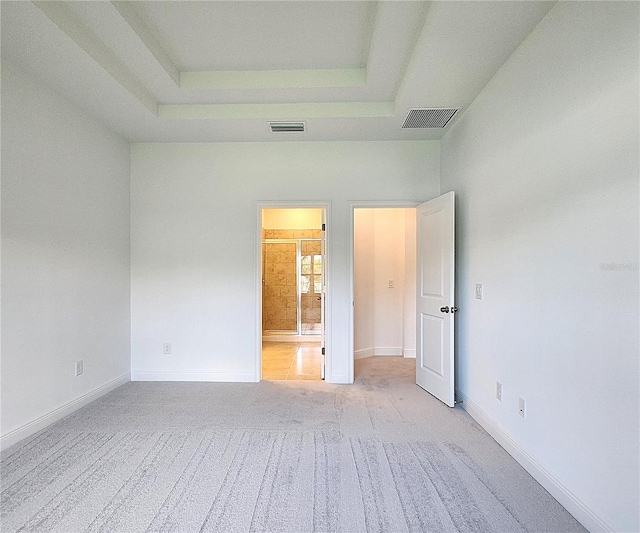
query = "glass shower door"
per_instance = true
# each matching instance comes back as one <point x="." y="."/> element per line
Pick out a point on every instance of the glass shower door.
<point x="311" y="287"/>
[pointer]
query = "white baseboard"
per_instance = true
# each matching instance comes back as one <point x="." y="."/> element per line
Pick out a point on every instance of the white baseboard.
<point x="43" y="421"/>
<point x="409" y="354"/>
<point x="291" y="338"/>
<point x="387" y="352"/>
<point x="138" y="375"/>
<point x="378" y="351"/>
<point x="553" y="485"/>
<point x="361" y="354"/>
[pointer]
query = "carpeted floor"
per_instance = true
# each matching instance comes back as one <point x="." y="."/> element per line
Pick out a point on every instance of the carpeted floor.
<point x="381" y="455"/>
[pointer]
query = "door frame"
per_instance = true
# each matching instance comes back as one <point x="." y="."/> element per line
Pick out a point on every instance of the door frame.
<point x="379" y="204"/>
<point x="291" y="204"/>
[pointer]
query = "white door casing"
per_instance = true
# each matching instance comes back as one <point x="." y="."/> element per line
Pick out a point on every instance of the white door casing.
<point x="323" y="295"/>
<point x="435" y="297"/>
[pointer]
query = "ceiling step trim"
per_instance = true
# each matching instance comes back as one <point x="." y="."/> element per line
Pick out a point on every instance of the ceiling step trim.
<point x="61" y="16"/>
<point x="272" y="79"/>
<point x="276" y="111"/>
<point x="148" y="40"/>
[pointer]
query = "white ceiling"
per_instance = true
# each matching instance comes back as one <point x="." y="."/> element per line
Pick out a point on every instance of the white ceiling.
<point x="178" y="71"/>
<point x="261" y="35"/>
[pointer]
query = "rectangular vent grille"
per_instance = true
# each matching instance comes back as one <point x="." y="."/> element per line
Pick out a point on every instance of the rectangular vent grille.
<point x="286" y="127"/>
<point x="429" y="118"/>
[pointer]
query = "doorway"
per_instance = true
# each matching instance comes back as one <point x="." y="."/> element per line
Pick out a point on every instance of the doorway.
<point x="384" y="280"/>
<point x="293" y="288"/>
<point x="433" y="310"/>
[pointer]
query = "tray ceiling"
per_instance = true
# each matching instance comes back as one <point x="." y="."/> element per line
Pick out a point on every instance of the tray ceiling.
<point x="219" y="70"/>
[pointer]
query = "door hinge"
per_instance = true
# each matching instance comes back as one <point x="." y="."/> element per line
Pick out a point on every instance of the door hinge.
<point x="322" y="351"/>
<point x="324" y="227"/>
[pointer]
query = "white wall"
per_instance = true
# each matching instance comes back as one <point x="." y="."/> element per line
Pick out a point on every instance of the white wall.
<point x="384" y="317"/>
<point x="409" y="346"/>
<point x="364" y="282"/>
<point x="194" y="242"/>
<point x="65" y="257"/>
<point x="545" y="167"/>
<point x="292" y="218"/>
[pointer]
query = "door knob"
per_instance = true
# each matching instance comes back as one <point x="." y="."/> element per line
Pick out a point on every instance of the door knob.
<point x="319" y="298"/>
<point x="444" y="309"/>
<point x="454" y="309"/>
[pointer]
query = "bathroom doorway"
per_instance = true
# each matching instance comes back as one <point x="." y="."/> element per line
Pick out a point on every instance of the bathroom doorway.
<point x="293" y="288"/>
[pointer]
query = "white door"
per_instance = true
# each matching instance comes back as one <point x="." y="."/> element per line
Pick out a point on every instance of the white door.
<point x="435" y="290"/>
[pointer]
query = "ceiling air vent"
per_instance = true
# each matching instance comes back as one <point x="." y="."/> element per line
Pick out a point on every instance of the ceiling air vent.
<point x="429" y="117"/>
<point x="287" y="127"/>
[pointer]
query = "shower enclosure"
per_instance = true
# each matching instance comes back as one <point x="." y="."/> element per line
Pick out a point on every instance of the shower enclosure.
<point x="292" y="282"/>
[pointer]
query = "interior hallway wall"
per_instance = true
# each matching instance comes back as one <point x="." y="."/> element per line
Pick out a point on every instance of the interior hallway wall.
<point x="65" y="257"/>
<point x="409" y="345"/>
<point x="545" y="167"/>
<point x="194" y="235"/>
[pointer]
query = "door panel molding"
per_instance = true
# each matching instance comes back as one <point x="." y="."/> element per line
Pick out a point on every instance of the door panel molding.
<point x="435" y="297"/>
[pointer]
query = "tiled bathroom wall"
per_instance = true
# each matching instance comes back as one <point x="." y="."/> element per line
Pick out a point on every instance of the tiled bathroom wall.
<point x="292" y="234"/>
<point x="280" y="289"/>
<point x="280" y="293"/>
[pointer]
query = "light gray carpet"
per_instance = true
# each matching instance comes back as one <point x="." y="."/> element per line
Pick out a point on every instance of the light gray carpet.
<point x="381" y="455"/>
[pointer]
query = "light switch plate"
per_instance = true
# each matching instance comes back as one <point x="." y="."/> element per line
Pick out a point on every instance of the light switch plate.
<point x="478" y="291"/>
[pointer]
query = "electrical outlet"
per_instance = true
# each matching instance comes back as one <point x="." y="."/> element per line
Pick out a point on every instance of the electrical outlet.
<point x="478" y="291"/>
<point x="498" y="391"/>
<point x="391" y="284"/>
<point x="522" y="408"/>
<point x="79" y="367"/>
<point x="166" y="348"/>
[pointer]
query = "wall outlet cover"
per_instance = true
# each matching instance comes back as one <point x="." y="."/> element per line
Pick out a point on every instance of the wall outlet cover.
<point x="166" y="348"/>
<point x="522" y="407"/>
<point x="79" y="367"/>
<point x="498" y="391"/>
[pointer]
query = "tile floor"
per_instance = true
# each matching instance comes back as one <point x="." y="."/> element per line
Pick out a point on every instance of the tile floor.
<point x="311" y="329"/>
<point x="291" y="360"/>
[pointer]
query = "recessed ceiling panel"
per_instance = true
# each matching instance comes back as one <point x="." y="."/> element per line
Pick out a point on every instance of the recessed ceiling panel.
<point x="262" y="35"/>
<point x="110" y="59"/>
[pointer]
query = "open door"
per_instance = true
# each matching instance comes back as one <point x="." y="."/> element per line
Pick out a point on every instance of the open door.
<point x="435" y="297"/>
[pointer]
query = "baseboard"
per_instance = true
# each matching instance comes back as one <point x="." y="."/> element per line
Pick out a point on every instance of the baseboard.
<point x="553" y="485"/>
<point x="291" y="338"/>
<point x="409" y="354"/>
<point x="361" y="354"/>
<point x="138" y="375"/>
<point x="378" y="352"/>
<point x="387" y="352"/>
<point x="43" y="421"/>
